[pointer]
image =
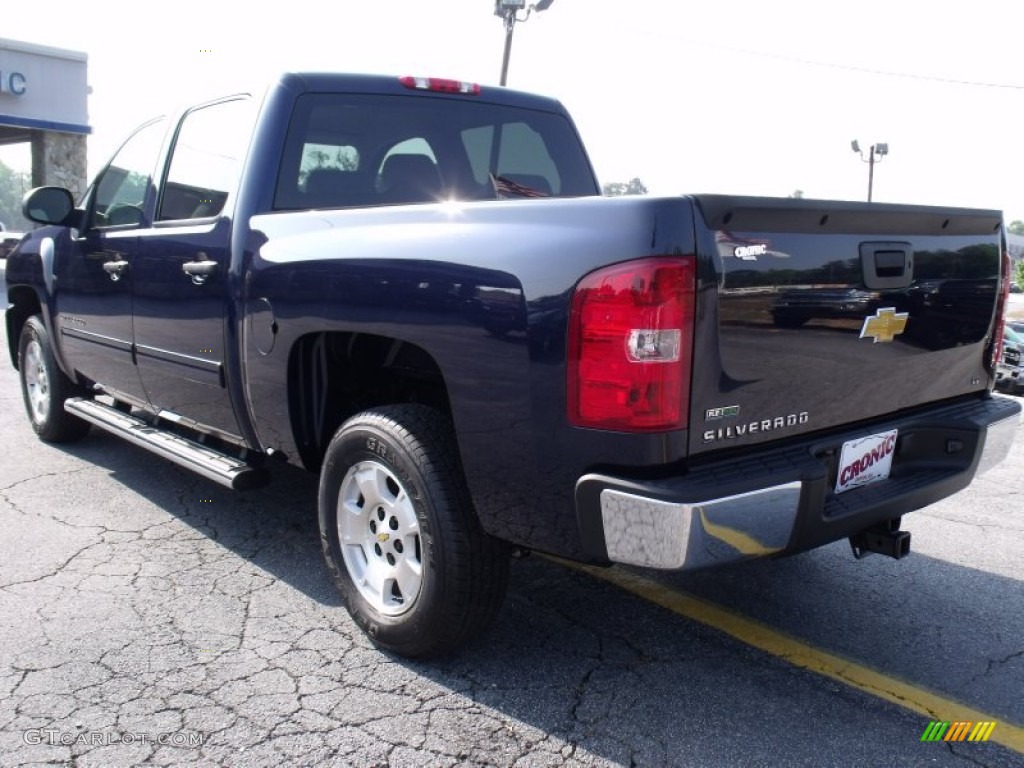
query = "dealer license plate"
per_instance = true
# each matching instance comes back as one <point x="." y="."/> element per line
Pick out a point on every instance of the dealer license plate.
<point x="865" y="460"/>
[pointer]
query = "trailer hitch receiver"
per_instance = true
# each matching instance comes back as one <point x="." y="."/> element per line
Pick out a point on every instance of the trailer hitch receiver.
<point x="885" y="538"/>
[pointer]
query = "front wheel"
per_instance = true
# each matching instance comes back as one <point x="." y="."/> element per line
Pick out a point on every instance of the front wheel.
<point x="45" y="387"/>
<point x="401" y="539"/>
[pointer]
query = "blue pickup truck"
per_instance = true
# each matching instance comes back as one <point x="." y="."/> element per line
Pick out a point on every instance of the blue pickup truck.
<point x="412" y="287"/>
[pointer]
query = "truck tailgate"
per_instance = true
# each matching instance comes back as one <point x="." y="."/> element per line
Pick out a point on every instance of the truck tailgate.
<point x="830" y="314"/>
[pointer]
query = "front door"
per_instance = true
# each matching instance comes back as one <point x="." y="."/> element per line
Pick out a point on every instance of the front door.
<point x="94" y="268"/>
<point x="181" y="292"/>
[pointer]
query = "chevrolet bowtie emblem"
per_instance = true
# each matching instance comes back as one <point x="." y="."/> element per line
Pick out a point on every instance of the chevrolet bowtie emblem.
<point x="885" y="325"/>
<point x="382" y="537"/>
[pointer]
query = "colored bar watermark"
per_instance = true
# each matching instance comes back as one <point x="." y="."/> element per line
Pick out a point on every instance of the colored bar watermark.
<point x="958" y="730"/>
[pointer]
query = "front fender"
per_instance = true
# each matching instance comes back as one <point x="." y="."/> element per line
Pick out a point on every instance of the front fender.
<point x="31" y="286"/>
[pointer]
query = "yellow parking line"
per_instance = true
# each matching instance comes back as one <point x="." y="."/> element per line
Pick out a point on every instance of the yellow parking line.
<point x="797" y="652"/>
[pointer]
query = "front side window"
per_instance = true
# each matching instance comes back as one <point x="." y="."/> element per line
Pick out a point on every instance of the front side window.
<point x="206" y="162"/>
<point x="121" y="188"/>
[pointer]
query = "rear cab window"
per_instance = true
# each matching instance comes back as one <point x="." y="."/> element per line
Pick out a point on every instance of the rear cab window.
<point x="354" y="150"/>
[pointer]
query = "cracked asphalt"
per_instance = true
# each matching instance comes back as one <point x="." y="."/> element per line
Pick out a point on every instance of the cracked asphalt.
<point x="150" y="617"/>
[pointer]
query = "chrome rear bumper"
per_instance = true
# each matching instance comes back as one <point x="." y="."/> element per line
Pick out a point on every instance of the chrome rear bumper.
<point x="662" y="534"/>
<point x="780" y="501"/>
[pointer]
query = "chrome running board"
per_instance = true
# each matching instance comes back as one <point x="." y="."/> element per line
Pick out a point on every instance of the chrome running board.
<point x="212" y="464"/>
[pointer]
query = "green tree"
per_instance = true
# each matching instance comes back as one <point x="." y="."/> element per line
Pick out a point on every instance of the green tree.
<point x="133" y="188"/>
<point x="1016" y="227"/>
<point x="798" y="194"/>
<point x="1019" y="269"/>
<point x="617" y="188"/>
<point x="317" y="157"/>
<point x="13" y="186"/>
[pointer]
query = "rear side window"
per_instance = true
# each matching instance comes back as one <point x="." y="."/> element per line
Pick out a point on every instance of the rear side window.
<point x="349" y="150"/>
<point x="206" y="160"/>
<point x="512" y="154"/>
<point x="326" y="157"/>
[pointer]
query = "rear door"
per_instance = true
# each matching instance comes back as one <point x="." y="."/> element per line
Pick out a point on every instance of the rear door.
<point x="94" y="268"/>
<point x="181" y="278"/>
<point x="828" y="314"/>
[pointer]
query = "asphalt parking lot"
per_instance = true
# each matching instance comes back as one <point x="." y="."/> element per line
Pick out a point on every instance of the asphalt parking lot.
<point x="150" y="617"/>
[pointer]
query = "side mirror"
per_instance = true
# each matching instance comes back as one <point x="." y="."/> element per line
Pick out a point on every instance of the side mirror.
<point x="49" y="205"/>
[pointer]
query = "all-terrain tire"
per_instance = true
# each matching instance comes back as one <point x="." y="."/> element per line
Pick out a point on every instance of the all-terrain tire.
<point x="401" y="537"/>
<point x="45" y="387"/>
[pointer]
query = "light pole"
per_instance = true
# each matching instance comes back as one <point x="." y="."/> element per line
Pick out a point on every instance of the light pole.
<point x="877" y="150"/>
<point x="508" y="10"/>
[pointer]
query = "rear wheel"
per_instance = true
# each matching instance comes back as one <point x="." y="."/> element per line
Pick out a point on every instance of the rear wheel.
<point x="401" y="539"/>
<point x="45" y="387"/>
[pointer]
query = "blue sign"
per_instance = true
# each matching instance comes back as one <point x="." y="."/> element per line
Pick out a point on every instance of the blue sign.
<point x="12" y="82"/>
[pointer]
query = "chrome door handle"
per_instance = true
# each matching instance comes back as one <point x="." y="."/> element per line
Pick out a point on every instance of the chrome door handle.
<point x="115" y="269"/>
<point x="199" y="271"/>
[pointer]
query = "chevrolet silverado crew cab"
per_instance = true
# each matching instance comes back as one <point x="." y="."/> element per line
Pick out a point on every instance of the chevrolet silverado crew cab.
<point x="413" y="288"/>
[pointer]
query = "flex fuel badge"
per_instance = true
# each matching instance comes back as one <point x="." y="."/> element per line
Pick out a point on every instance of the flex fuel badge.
<point x="725" y="412"/>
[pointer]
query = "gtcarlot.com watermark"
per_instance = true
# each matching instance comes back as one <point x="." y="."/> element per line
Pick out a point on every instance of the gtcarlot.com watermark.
<point x="55" y="737"/>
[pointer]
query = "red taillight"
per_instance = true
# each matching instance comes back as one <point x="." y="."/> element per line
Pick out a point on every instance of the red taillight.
<point x="1004" y="297"/>
<point x="630" y="346"/>
<point x="440" y="85"/>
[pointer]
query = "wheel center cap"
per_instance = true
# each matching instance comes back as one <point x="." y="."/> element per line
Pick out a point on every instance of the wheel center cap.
<point x="382" y="537"/>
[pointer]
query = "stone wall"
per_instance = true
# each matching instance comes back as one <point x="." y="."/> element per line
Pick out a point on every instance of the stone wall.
<point x="58" y="159"/>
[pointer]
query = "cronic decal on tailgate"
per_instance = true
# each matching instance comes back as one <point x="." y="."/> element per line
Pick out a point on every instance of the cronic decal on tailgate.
<point x="732" y="246"/>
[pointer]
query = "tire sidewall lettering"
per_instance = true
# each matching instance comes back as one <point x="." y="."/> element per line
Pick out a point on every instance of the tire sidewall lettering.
<point x="379" y="450"/>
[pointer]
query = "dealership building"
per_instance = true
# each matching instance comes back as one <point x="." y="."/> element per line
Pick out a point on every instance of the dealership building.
<point x="43" y="102"/>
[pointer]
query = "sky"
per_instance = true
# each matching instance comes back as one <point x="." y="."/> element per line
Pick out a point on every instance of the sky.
<point x="758" y="98"/>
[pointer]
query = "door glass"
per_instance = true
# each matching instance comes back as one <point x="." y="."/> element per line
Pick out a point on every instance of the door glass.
<point x="122" y="186"/>
<point x="206" y="161"/>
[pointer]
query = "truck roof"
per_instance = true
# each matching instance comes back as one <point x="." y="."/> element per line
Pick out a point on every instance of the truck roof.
<point x="327" y="82"/>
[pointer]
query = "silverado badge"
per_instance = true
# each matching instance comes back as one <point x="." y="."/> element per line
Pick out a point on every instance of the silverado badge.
<point x="885" y="325"/>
